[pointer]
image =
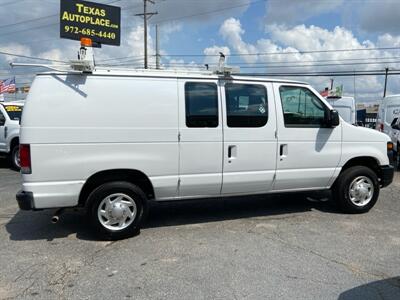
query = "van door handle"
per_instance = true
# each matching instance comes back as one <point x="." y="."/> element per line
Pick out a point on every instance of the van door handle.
<point x="283" y="151"/>
<point x="232" y="152"/>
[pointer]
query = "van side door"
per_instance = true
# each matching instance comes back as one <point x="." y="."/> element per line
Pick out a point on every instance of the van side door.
<point x="250" y="143"/>
<point x="308" y="152"/>
<point x="3" y="121"/>
<point x="200" y="131"/>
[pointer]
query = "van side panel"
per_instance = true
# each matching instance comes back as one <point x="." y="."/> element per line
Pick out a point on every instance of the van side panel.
<point x="86" y="124"/>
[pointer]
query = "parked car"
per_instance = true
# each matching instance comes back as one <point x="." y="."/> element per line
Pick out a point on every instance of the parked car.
<point x="346" y="107"/>
<point x="113" y="140"/>
<point x="389" y="108"/>
<point x="10" y="116"/>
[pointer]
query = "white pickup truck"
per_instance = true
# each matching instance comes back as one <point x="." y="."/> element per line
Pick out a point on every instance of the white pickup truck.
<point x="112" y="140"/>
<point x="10" y="116"/>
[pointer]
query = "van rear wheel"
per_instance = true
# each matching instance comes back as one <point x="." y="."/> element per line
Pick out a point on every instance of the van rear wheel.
<point x="356" y="190"/>
<point x="116" y="210"/>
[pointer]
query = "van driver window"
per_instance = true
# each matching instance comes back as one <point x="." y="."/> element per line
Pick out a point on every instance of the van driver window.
<point x="301" y="108"/>
<point x="201" y="102"/>
<point x="246" y="105"/>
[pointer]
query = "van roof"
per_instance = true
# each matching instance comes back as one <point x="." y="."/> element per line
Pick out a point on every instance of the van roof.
<point x="125" y="72"/>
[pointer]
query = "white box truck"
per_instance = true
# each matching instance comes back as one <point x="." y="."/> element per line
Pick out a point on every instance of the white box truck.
<point x="346" y="107"/>
<point x="112" y="140"/>
<point x="389" y="109"/>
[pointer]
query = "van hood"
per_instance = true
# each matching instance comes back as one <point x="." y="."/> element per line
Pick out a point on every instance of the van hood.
<point x="353" y="133"/>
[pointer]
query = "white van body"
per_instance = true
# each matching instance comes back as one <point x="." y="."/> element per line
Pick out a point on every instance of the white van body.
<point x="389" y="108"/>
<point x="395" y="134"/>
<point x="81" y="128"/>
<point x="346" y="106"/>
<point x="10" y="112"/>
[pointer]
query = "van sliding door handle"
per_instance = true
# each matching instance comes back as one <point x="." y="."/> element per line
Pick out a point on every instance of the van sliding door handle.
<point x="283" y="151"/>
<point x="232" y="152"/>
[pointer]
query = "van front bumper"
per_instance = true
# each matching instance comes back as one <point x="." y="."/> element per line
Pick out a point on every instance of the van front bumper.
<point x="387" y="173"/>
<point x="25" y="200"/>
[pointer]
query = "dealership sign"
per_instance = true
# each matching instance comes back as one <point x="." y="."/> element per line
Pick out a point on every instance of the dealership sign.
<point x="101" y="23"/>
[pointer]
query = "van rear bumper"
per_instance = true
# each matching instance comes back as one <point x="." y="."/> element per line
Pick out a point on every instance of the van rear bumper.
<point x="54" y="194"/>
<point x="25" y="200"/>
<point x="387" y="173"/>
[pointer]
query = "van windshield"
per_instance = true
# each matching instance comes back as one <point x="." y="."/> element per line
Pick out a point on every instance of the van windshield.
<point x="14" y="112"/>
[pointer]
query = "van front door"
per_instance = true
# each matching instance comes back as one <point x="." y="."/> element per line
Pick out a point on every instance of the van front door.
<point x="250" y="143"/>
<point x="309" y="152"/>
<point x="200" y="146"/>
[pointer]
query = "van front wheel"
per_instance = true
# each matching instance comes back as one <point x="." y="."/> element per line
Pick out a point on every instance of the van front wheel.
<point x="356" y="190"/>
<point x="116" y="210"/>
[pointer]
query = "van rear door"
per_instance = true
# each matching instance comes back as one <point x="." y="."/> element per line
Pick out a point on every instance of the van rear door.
<point x="250" y="143"/>
<point x="200" y="130"/>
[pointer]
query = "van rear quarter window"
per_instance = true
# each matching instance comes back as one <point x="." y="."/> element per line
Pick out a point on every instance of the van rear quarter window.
<point x="246" y="105"/>
<point x="201" y="103"/>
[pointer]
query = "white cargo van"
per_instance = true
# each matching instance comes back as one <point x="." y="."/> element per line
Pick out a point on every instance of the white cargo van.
<point x="10" y="115"/>
<point x="346" y="107"/>
<point x="113" y="140"/>
<point x="389" y="108"/>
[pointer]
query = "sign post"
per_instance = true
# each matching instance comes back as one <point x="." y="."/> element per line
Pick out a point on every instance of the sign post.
<point x="99" y="22"/>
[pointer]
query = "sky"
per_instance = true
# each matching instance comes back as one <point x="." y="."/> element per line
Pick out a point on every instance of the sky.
<point x="260" y="36"/>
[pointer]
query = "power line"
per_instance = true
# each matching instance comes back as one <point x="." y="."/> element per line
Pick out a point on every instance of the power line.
<point x="334" y="73"/>
<point x="278" y="53"/>
<point x="303" y="65"/>
<point x="308" y="61"/>
<point x="31" y="57"/>
<point x="208" y="12"/>
<point x="268" y="66"/>
<point x="287" y="53"/>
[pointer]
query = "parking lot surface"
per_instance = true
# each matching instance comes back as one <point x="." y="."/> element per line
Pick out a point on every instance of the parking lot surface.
<point x="264" y="247"/>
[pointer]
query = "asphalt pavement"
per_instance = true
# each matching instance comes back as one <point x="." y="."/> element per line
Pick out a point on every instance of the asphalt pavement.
<point x="265" y="247"/>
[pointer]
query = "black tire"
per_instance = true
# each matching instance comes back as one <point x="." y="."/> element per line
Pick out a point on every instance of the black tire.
<point x="342" y="186"/>
<point x="397" y="158"/>
<point x="95" y="199"/>
<point x="14" y="158"/>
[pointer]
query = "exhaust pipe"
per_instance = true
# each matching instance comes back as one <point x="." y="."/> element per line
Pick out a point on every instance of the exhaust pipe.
<point x="56" y="217"/>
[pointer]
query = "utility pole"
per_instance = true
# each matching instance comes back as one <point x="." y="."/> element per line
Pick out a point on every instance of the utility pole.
<point x="157" y="49"/>
<point x="146" y="16"/>
<point x="386" y="77"/>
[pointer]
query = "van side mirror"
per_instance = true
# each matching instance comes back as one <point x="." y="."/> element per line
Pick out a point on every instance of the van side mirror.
<point x="333" y="119"/>
<point x="393" y="122"/>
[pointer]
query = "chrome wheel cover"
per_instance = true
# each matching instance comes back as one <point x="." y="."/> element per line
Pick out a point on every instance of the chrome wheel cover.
<point x="361" y="191"/>
<point x="117" y="211"/>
